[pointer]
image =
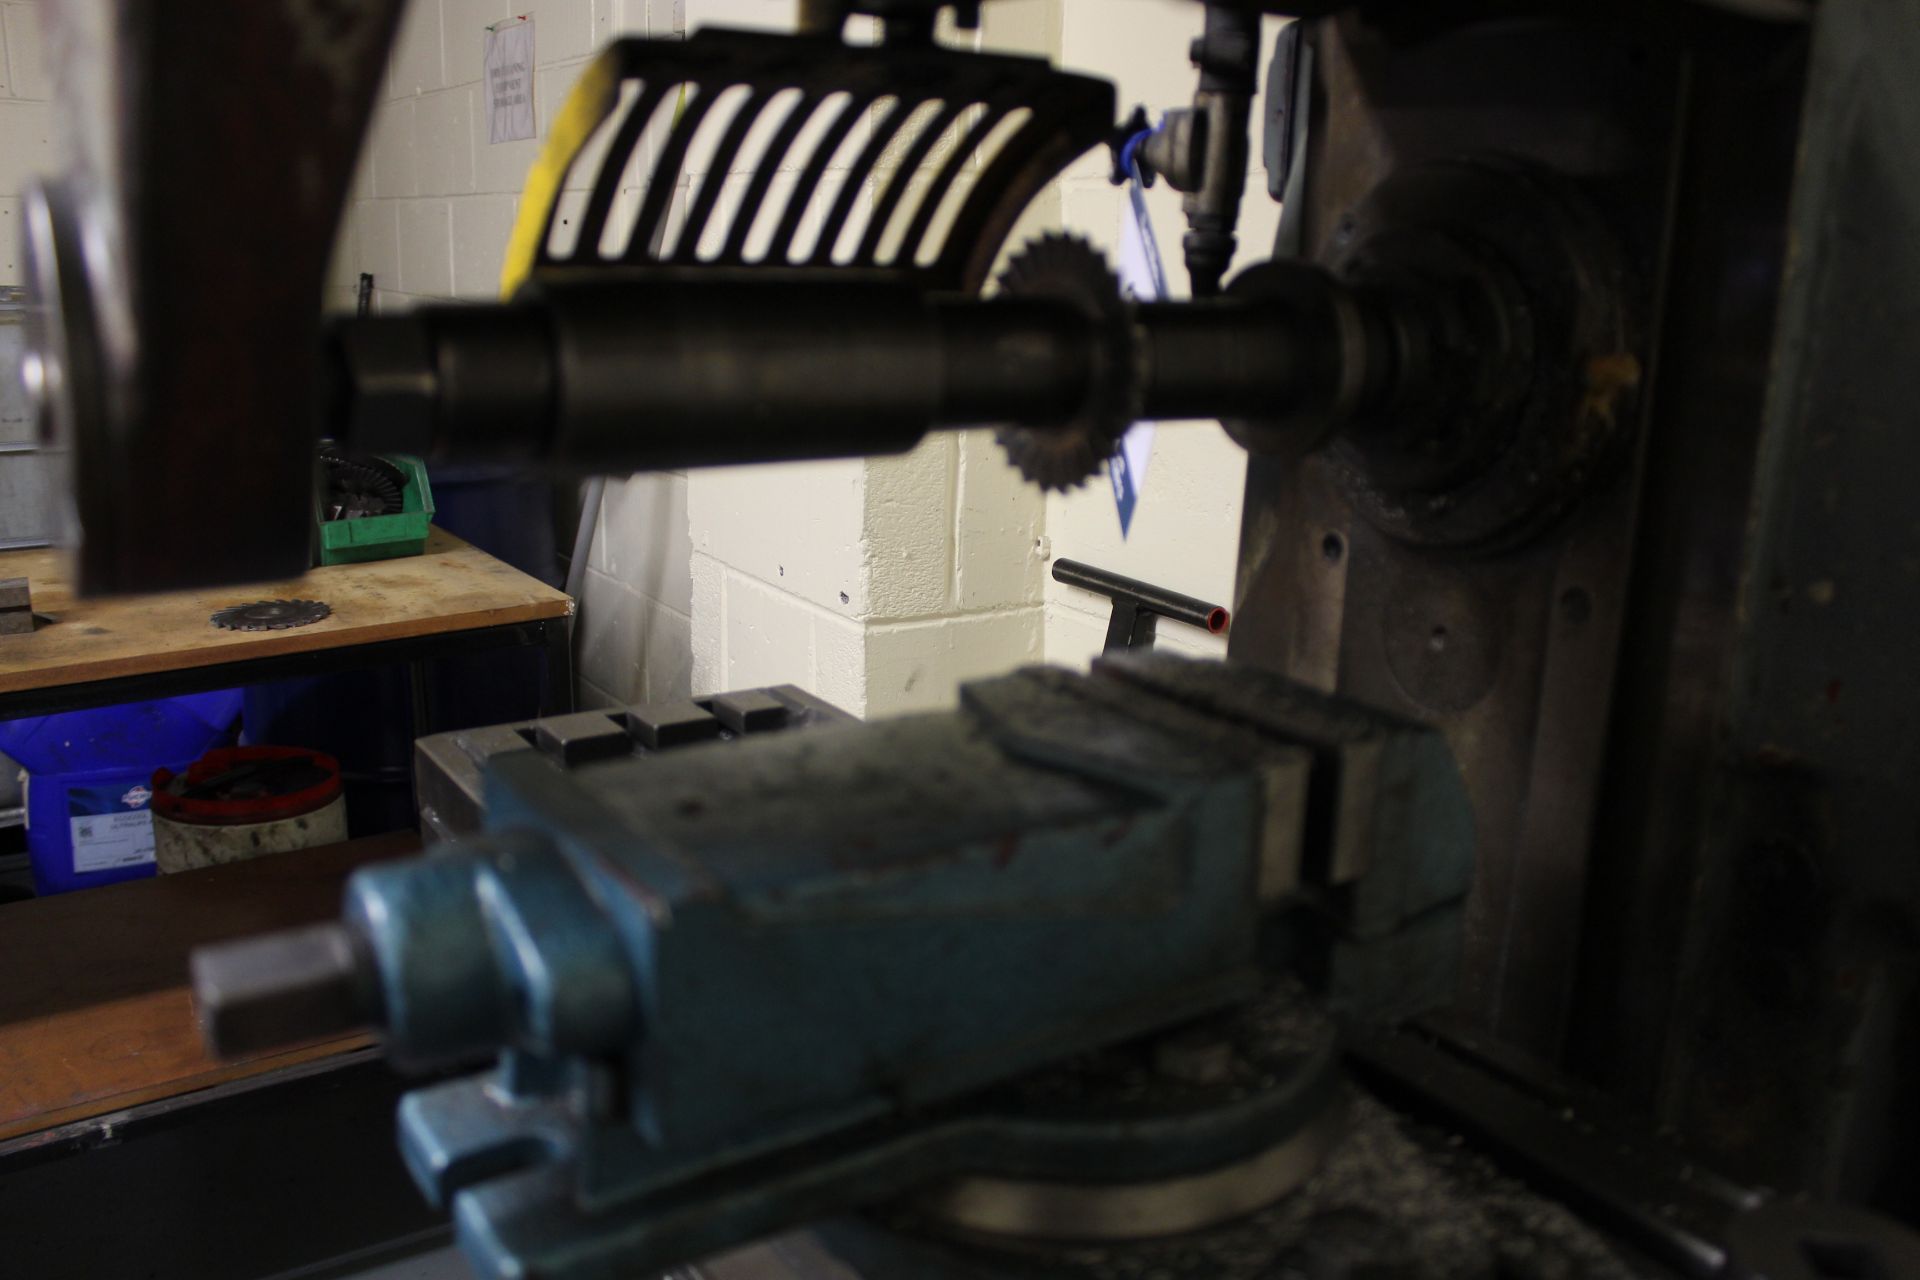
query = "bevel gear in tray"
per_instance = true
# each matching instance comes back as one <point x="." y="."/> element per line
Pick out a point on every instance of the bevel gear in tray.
<point x="359" y="486"/>
<point x="271" y="615"/>
<point x="1068" y="269"/>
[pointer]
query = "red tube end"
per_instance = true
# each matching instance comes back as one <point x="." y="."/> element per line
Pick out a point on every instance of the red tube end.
<point x="1217" y="620"/>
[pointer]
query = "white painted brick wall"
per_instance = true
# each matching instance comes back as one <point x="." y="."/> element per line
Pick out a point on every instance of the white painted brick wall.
<point x="443" y="141"/>
<point x="396" y="164"/>
<point x="647" y="511"/>
<point x="26" y="60"/>
<point x="463" y="25"/>
<point x="749" y="633"/>
<point x="435" y="202"/>
<point x="999" y="525"/>
<point x="794" y="527"/>
<point x="918" y="666"/>
<point x="908" y="531"/>
<point x="480" y="225"/>
<point x="27" y="143"/>
<point x="611" y="635"/>
<point x="415" y="66"/>
<point x="426" y="248"/>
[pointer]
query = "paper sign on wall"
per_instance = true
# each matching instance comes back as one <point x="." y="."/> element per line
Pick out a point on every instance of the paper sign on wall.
<point x="509" y="74"/>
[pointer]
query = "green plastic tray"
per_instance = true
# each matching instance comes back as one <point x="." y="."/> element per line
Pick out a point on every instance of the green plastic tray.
<point x="383" y="537"/>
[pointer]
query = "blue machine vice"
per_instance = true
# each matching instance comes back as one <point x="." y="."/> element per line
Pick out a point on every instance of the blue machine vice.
<point x="742" y="985"/>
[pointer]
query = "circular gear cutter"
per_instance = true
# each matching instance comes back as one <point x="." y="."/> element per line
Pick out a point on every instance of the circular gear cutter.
<point x="271" y="615"/>
<point x="1068" y="269"/>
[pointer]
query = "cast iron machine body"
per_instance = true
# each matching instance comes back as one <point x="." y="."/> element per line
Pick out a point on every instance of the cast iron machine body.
<point x="1687" y="872"/>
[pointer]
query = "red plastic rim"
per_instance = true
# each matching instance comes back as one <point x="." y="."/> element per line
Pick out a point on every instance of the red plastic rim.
<point x="236" y="812"/>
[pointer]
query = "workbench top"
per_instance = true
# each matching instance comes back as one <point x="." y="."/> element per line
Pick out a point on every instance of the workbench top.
<point x="95" y="1013"/>
<point x="450" y="587"/>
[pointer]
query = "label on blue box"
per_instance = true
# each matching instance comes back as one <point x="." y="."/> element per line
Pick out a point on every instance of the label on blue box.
<point x="110" y="825"/>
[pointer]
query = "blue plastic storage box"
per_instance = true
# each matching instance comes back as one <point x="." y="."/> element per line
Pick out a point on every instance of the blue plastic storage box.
<point x="87" y="781"/>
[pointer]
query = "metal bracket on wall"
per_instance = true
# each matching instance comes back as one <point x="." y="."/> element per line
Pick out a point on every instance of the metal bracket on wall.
<point x="1138" y="606"/>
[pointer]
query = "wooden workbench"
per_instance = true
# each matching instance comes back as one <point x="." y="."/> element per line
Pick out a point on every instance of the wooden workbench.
<point x="94" y="1011"/>
<point x="115" y="644"/>
<point x="95" y="1015"/>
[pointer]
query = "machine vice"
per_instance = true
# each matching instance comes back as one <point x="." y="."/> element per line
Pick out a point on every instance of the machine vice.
<point x="735" y="987"/>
